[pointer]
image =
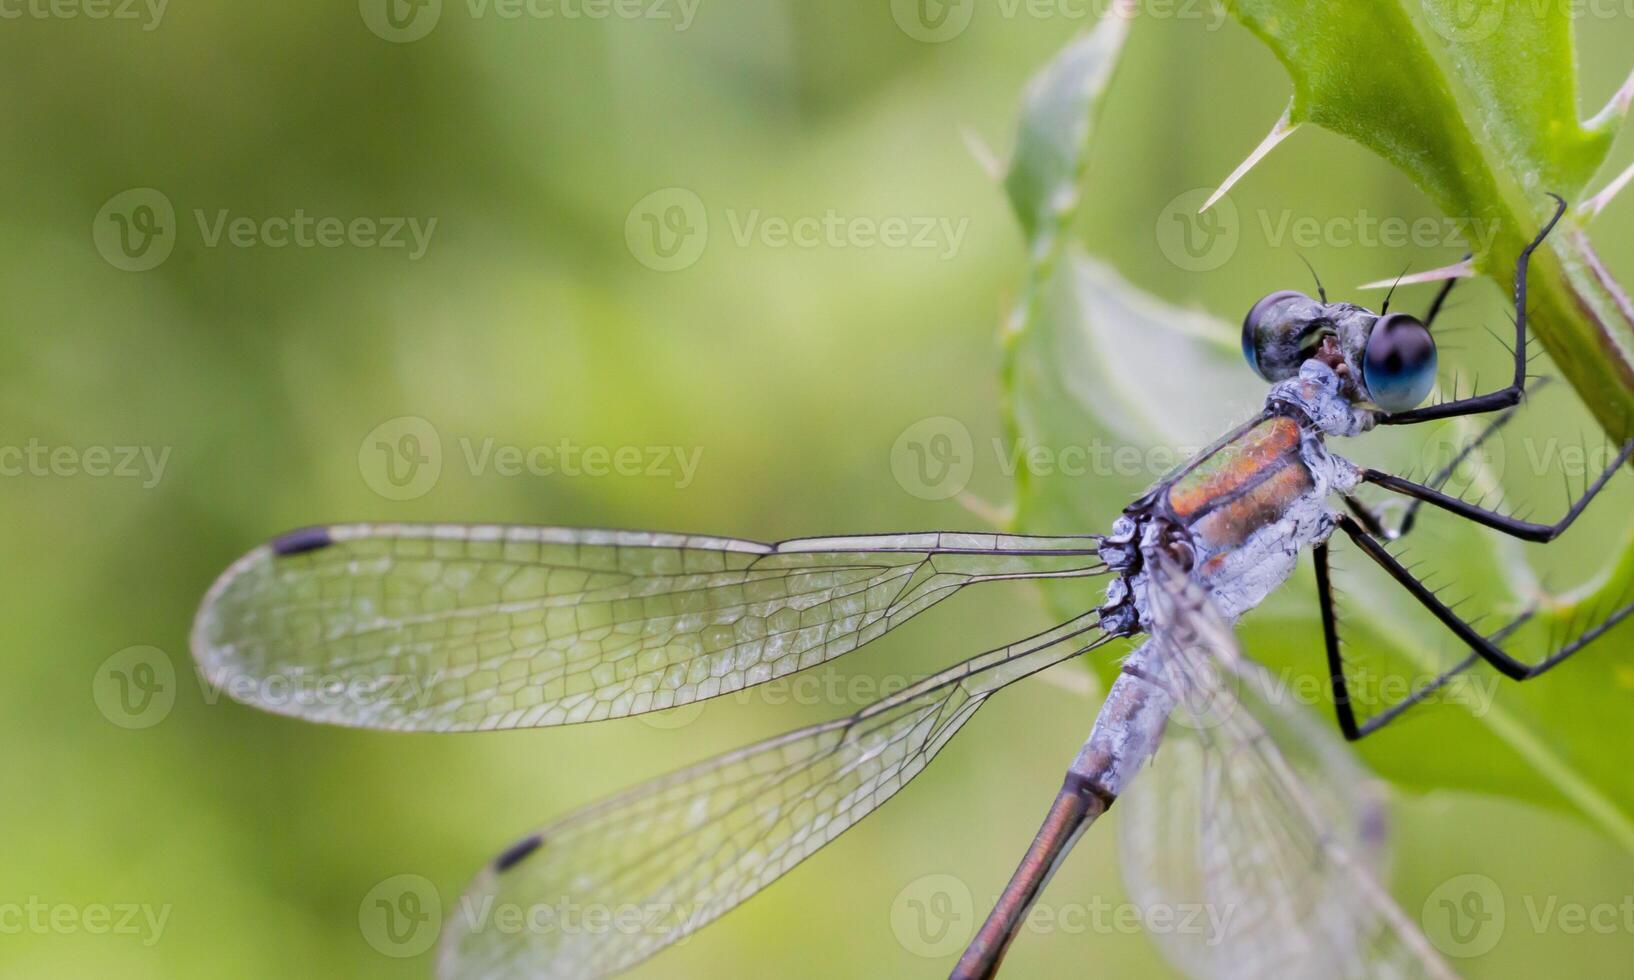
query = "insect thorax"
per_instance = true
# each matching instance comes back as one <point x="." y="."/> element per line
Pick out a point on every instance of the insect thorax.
<point x="1238" y="515"/>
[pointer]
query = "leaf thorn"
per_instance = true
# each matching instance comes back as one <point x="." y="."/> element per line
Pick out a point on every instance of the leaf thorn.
<point x="1283" y="129"/>
<point x="1464" y="269"/>
<point x="1616" y="109"/>
<point x="1591" y="208"/>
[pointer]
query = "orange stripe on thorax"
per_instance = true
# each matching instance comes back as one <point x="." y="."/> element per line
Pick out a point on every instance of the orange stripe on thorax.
<point x="1236" y="466"/>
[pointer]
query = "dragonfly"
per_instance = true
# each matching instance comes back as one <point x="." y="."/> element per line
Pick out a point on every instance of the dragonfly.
<point x="1253" y="806"/>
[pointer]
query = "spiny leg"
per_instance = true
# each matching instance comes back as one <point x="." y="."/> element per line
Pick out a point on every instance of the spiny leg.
<point x="1373" y="520"/>
<point x="1330" y="637"/>
<point x="1525" y="530"/>
<point x="1343" y="708"/>
<point x="1507" y="397"/>
<point x="1486" y="648"/>
<point x="1396" y="710"/>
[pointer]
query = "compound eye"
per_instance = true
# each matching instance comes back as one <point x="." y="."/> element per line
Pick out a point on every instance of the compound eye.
<point x="1280" y="333"/>
<point x="1399" y="364"/>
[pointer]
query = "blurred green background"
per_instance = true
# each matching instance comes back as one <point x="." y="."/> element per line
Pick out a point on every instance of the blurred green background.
<point x="534" y="316"/>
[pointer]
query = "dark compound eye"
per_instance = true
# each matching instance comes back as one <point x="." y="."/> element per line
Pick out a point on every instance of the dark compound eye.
<point x="1280" y="333"/>
<point x="1399" y="364"/>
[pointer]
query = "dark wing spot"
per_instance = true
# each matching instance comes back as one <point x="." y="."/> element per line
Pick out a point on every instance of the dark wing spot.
<point x="511" y="856"/>
<point x="301" y="541"/>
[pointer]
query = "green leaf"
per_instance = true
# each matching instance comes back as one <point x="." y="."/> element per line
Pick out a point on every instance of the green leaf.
<point x="1059" y="109"/>
<point x="1476" y="100"/>
<point x="1134" y="385"/>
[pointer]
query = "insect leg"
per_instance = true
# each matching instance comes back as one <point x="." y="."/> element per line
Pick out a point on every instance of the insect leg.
<point x="1485" y="647"/>
<point x="1525" y="530"/>
<point x="1374" y="521"/>
<point x="1330" y="636"/>
<point x="1506" y="397"/>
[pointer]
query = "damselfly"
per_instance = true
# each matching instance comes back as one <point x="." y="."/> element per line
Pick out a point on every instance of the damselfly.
<point x="1252" y="807"/>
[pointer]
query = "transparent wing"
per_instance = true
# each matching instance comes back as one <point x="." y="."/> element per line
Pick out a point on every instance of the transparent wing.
<point x="1255" y="835"/>
<point x="606" y="887"/>
<point x="448" y="627"/>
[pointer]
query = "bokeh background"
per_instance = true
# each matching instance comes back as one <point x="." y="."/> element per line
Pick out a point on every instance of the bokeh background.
<point x="542" y="310"/>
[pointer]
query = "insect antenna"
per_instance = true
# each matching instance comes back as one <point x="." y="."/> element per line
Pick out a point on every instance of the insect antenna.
<point x="1321" y="291"/>
<point x="1386" y="308"/>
